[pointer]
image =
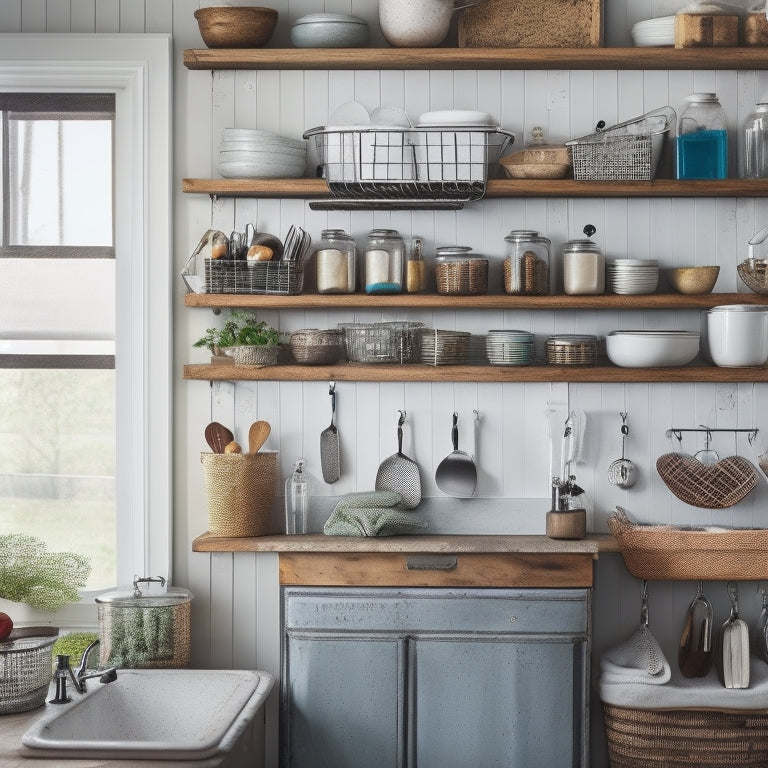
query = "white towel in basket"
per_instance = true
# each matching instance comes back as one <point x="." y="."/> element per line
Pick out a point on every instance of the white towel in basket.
<point x="639" y="659"/>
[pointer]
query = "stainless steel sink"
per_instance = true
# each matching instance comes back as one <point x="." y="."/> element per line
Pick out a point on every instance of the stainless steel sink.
<point x="158" y="714"/>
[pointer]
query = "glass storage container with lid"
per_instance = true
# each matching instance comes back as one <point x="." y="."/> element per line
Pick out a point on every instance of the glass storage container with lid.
<point x="384" y="258"/>
<point x="702" y="139"/>
<point x="526" y="266"/>
<point x="458" y="271"/>
<point x="583" y="265"/>
<point x="756" y="143"/>
<point x="335" y="262"/>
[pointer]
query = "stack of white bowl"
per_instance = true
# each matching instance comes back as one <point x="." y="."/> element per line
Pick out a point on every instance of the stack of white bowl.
<point x="510" y="347"/>
<point x="252" y="154"/>
<point x="653" y="32"/>
<point x="632" y="276"/>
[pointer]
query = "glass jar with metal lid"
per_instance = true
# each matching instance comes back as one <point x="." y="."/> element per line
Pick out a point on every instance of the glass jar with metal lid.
<point x="335" y="262"/>
<point x="384" y="258"/>
<point x="460" y="272"/>
<point x="583" y="265"/>
<point x="526" y="266"/>
<point x="756" y="143"/>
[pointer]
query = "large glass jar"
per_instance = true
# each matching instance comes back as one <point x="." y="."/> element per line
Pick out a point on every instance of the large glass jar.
<point x="756" y="143"/>
<point x="526" y="266"/>
<point x="702" y="139"/>
<point x="458" y="271"/>
<point x="335" y="258"/>
<point x="583" y="267"/>
<point x="384" y="257"/>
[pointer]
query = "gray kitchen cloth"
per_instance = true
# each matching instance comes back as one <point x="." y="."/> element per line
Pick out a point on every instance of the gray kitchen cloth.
<point x="639" y="659"/>
<point x="374" y="513"/>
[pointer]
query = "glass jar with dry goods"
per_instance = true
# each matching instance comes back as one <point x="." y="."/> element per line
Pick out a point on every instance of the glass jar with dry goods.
<point x="335" y="262"/>
<point x="416" y="268"/>
<point x="459" y="272"/>
<point x="583" y="266"/>
<point x="384" y="258"/>
<point x="526" y="266"/>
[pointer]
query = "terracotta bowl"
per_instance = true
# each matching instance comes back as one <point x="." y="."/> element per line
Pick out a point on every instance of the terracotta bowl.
<point x="236" y="27"/>
<point x="693" y="279"/>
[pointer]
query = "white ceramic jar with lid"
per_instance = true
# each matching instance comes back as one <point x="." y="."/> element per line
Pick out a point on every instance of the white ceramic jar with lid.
<point x="526" y="267"/>
<point x="737" y="335"/>
<point x="583" y="266"/>
<point x="384" y="257"/>
<point x="335" y="262"/>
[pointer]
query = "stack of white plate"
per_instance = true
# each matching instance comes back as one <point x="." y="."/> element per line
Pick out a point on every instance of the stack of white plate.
<point x="632" y="276"/>
<point x="246" y="153"/>
<point x="651" y="32"/>
<point x="445" y="347"/>
<point x="510" y="347"/>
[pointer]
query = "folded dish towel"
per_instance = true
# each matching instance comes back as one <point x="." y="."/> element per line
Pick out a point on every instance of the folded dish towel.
<point x="639" y="659"/>
<point x="376" y="513"/>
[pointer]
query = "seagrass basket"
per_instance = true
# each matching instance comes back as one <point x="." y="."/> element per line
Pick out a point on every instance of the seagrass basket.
<point x="240" y="489"/>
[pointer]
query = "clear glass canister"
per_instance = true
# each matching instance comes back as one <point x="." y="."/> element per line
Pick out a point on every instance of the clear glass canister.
<point x="297" y="499"/>
<point x="702" y="139"/>
<point x="335" y="262"/>
<point x="583" y="268"/>
<point x="756" y="143"/>
<point x="384" y="257"/>
<point x="458" y="271"/>
<point x="526" y="266"/>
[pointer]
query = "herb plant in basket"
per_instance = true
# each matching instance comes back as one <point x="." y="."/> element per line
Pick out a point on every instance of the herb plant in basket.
<point x="245" y="338"/>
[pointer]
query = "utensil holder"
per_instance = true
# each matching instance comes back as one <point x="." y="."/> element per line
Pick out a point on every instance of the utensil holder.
<point x="568" y="524"/>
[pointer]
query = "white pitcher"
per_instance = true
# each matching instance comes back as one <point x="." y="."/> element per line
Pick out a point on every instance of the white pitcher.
<point x="417" y="23"/>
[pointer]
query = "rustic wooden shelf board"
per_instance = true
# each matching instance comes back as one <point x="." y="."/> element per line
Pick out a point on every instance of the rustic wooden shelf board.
<point x="478" y="373"/>
<point x="753" y="57"/>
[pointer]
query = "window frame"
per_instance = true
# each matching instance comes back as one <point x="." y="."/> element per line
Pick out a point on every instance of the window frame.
<point x="137" y="69"/>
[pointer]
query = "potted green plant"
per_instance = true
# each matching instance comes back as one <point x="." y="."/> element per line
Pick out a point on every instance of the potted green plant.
<point x="245" y="338"/>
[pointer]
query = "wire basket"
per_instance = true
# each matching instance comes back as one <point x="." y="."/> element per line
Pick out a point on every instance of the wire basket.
<point x="394" y="342"/>
<point x="573" y="349"/>
<point x="629" y="151"/>
<point x="25" y="672"/>
<point x="268" y="277"/>
<point x="423" y="166"/>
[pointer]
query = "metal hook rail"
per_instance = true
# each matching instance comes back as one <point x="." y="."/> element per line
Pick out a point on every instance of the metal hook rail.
<point x="678" y="432"/>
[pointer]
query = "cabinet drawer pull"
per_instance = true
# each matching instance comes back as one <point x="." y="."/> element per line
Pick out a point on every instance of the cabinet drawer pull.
<point x="435" y="563"/>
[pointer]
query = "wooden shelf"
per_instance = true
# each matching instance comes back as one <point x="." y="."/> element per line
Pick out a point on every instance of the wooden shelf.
<point x="476" y="58"/>
<point x="476" y="373"/>
<point x="317" y="188"/>
<point x="608" y="301"/>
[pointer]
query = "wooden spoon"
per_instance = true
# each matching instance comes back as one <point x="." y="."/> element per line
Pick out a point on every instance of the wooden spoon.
<point x="218" y="436"/>
<point x="257" y="435"/>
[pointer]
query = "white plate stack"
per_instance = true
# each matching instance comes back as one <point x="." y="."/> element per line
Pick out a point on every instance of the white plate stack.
<point x="510" y="347"/>
<point x="653" y="32"/>
<point x="632" y="276"/>
<point x="251" y="154"/>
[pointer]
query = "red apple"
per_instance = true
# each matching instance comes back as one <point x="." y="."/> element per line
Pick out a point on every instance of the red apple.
<point x="6" y="625"/>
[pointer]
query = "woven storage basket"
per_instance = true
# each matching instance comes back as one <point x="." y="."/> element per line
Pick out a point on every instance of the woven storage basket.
<point x="240" y="489"/>
<point x="665" y="552"/>
<point x="25" y="671"/>
<point x="685" y="738"/>
<point x="317" y="347"/>
<point x="251" y="354"/>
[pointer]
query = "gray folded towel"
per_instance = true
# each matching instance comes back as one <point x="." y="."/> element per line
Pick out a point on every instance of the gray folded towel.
<point x="639" y="659"/>
<point x="374" y="513"/>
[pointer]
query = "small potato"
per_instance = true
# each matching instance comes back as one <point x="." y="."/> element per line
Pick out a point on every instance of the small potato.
<point x="260" y="253"/>
<point x="233" y="447"/>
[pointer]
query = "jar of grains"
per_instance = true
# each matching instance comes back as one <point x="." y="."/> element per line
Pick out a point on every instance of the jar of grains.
<point x="335" y="257"/>
<point x="526" y="266"/>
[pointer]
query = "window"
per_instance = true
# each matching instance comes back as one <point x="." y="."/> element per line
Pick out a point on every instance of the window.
<point x="85" y="351"/>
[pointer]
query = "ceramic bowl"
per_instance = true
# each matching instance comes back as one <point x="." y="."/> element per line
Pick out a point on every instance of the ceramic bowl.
<point x="693" y="279"/>
<point x="236" y="26"/>
<point x="330" y="30"/>
<point x="651" y="349"/>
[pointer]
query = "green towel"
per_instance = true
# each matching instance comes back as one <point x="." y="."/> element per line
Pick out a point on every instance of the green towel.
<point x="374" y="513"/>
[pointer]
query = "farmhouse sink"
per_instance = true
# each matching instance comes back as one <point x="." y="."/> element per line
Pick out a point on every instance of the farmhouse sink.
<point x="157" y="714"/>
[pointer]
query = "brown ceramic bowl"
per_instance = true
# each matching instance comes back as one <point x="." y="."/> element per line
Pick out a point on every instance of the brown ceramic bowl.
<point x="693" y="279"/>
<point x="236" y="27"/>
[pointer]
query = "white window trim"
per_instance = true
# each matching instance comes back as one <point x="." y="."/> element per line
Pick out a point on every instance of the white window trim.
<point x="137" y="69"/>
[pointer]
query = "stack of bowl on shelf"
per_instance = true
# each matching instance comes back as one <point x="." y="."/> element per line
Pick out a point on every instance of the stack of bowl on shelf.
<point x="252" y="154"/>
<point x="510" y="347"/>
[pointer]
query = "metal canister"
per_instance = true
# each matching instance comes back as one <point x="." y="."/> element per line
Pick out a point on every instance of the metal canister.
<point x="526" y="266"/>
<point x="384" y="258"/>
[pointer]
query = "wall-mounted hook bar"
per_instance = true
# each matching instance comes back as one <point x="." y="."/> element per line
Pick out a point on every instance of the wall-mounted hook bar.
<point x="677" y="431"/>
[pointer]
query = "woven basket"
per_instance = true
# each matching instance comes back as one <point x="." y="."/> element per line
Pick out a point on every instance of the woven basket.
<point x="754" y="275"/>
<point x="25" y="671"/>
<point x="251" y="354"/>
<point x="462" y="277"/>
<point x="665" y="552"/>
<point x="647" y="738"/>
<point x="240" y="489"/>
<point x="315" y="347"/>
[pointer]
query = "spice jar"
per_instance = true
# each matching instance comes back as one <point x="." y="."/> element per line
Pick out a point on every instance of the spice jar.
<point x="583" y="266"/>
<point x="335" y="257"/>
<point x="526" y="266"/>
<point x="416" y="268"/>
<point x="702" y="139"/>
<point x="756" y="143"/>
<point x="384" y="256"/>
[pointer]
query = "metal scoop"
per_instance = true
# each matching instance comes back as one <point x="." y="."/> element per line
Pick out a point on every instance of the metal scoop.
<point x="456" y="474"/>
<point x="330" y="450"/>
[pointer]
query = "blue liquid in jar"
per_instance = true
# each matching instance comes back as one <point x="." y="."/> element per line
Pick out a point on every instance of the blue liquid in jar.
<point x="702" y="155"/>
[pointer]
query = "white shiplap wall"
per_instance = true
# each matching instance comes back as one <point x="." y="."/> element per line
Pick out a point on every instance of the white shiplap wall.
<point x="236" y="612"/>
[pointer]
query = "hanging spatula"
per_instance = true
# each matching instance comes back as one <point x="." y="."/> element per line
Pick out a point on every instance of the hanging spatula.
<point x="399" y="473"/>
<point x="330" y="449"/>
<point x="733" y="657"/>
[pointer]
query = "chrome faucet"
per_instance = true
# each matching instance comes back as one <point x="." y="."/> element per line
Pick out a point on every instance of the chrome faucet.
<point x="79" y="676"/>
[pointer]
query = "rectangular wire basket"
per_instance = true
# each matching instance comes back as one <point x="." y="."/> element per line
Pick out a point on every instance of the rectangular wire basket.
<point x="393" y="342"/>
<point x="25" y="673"/>
<point x="629" y="151"/>
<point x="267" y="277"/>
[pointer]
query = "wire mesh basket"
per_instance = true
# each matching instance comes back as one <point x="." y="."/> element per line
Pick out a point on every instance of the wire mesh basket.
<point x="237" y="276"/>
<point x="25" y="672"/>
<point x="629" y="151"/>
<point x="427" y="167"/>
<point x="392" y="342"/>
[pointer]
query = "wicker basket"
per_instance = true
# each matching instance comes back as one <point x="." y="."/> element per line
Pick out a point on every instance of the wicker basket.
<point x="315" y="347"/>
<point x="666" y="552"/>
<point x="240" y="489"/>
<point x="572" y="349"/>
<point x="25" y="671"/>
<point x="251" y="354"/>
<point x="754" y="274"/>
<point x="648" y="738"/>
<point x="462" y="277"/>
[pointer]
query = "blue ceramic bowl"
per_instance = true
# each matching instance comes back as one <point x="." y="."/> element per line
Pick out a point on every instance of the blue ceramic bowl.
<point x="330" y="30"/>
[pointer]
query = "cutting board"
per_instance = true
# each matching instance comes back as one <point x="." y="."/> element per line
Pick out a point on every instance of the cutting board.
<point x="532" y="24"/>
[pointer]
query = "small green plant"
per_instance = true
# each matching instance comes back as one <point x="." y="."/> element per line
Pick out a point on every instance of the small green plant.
<point x="241" y="328"/>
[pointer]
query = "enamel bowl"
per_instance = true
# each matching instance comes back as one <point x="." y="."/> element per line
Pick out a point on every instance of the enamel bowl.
<point x="651" y="349"/>
<point x="330" y="30"/>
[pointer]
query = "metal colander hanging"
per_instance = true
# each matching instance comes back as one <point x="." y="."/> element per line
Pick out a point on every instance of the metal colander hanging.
<point x="400" y="473"/>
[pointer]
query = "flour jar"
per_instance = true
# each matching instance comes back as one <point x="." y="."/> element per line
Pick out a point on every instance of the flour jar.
<point x="335" y="257"/>
<point x="737" y="335"/>
<point x="583" y="267"/>
<point x="384" y="258"/>
<point x="526" y="266"/>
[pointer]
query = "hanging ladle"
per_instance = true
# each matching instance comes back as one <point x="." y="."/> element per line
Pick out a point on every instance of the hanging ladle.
<point x="622" y="472"/>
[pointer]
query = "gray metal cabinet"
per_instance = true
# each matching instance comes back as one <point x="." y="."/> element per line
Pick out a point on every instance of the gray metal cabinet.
<point x="434" y="677"/>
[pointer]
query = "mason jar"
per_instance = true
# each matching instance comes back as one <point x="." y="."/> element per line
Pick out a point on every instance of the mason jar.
<point x="583" y="268"/>
<point x="335" y="257"/>
<point x="526" y="265"/>
<point x="756" y="143"/>
<point x="384" y="258"/>
<point x="702" y="139"/>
